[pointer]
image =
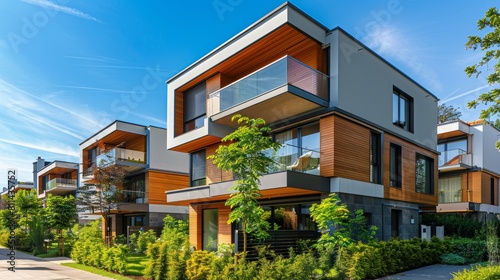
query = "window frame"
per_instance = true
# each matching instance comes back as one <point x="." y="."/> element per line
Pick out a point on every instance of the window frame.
<point x="197" y="120"/>
<point x="201" y="181"/>
<point x="375" y="157"/>
<point x="396" y="182"/>
<point x="407" y="124"/>
<point x="429" y="174"/>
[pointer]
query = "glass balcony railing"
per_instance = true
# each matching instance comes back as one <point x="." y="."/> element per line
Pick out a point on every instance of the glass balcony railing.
<point x="460" y="155"/>
<point x="119" y="154"/>
<point x="286" y="70"/>
<point x="61" y="182"/>
<point x="287" y="158"/>
<point x="132" y="196"/>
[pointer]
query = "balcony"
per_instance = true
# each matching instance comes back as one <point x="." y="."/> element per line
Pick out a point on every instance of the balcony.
<point x="130" y="159"/>
<point x="456" y="159"/>
<point x="132" y="196"/>
<point x="60" y="186"/>
<point x="279" y="91"/>
<point x="286" y="158"/>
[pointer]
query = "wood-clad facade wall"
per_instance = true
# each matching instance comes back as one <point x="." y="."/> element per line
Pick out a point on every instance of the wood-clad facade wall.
<point x="157" y="183"/>
<point x="196" y="222"/>
<point x="407" y="192"/>
<point x="214" y="174"/>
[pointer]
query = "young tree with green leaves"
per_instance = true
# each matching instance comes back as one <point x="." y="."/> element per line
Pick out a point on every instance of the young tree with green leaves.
<point x="337" y="225"/>
<point x="246" y="158"/>
<point x="60" y="212"/>
<point x="101" y="193"/>
<point x="490" y="45"/>
<point x="27" y="205"/>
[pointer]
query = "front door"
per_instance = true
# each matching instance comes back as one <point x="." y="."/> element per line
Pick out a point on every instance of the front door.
<point x="395" y="219"/>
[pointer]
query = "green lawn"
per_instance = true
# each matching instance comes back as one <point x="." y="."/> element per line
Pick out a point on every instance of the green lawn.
<point x="96" y="271"/>
<point x="136" y="264"/>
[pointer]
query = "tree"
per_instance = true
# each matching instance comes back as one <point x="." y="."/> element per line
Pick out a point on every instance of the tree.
<point x="246" y="157"/>
<point x="338" y="227"/>
<point x="61" y="214"/>
<point x="489" y="43"/>
<point x="101" y="193"/>
<point x="27" y="205"/>
<point x="448" y="113"/>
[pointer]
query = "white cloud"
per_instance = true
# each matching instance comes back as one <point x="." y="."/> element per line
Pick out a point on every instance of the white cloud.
<point x="67" y="10"/>
<point x="465" y="93"/>
<point x="391" y="42"/>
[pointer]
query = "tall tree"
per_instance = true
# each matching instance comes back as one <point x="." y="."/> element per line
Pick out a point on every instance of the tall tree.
<point x="490" y="45"/>
<point x="27" y="205"/>
<point x="247" y="158"/>
<point x="448" y="113"/>
<point x="101" y="194"/>
<point x="61" y="214"/>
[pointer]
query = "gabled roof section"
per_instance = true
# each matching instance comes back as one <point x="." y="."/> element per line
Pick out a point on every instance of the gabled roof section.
<point x="284" y="14"/>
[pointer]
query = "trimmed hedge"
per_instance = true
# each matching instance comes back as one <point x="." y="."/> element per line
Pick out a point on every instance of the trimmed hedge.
<point x="472" y="250"/>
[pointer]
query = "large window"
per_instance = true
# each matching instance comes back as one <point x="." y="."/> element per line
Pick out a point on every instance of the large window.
<point x="198" y="168"/>
<point x="210" y="229"/>
<point x="375" y="158"/>
<point x="451" y="149"/>
<point x="395" y="165"/>
<point x="301" y="149"/>
<point x="424" y="174"/>
<point x="450" y="189"/>
<point x="402" y="110"/>
<point x="195" y="107"/>
<point x="134" y="189"/>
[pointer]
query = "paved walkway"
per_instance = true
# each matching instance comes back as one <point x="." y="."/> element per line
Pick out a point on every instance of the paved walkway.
<point x="30" y="267"/>
<point x="436" y="271"/>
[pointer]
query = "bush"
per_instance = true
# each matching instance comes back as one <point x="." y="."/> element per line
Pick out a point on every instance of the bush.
<point x="145" y="238"/>
<point x="199" y="265"/>
<point x="472" y="250"/>
<point x="461" y="225"/>
<point x="478" y="272"/>
<point x="114" y="259"/>
<point x="452" y="259"/>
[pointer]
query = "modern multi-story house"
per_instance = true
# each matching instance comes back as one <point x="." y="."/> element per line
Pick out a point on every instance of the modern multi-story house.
<point x="469" y="169"/>
<point x="57" y="178"/>
<point x="349" y="121"/>
<point x="150" y="171"/>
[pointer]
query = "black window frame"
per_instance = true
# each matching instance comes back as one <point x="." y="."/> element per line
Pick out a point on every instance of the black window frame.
<point x="197" y="181"/>
<point x="406" y="124"/>
<point x="429" y="174"/>
<point x="191" y="96"/>
<point x="395" y="168"/>
<point x="375" y="157"/>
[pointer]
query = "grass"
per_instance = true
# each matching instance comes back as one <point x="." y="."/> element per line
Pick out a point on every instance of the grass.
<point x="96" y="271"/>
<point x="136" y="264"/>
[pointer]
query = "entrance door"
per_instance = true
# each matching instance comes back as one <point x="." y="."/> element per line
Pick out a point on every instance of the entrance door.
<point x="210" y="229"/>
<point x="395" y="220"/>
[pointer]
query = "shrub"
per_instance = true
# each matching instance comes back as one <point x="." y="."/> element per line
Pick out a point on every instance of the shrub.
<point x="200" y="263"/>
<point x="478" y="272"/>
<point x="145" y="238"/>
<point x="452" y="259"/>
<point x="120" y="240"/>
<point x="114" y="259"/>
<point x="472" y="250"/>
<point x="462" y="225"/>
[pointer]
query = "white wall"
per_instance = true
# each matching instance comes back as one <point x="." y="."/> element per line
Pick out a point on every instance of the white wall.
<point x="485" y="154"/>
<point x="362" y="84"/>
<point x="160" y="157"/>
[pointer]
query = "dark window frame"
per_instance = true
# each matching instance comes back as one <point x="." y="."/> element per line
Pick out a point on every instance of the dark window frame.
<point x="429" y="174"/>
<point x="407" y="123"/>
<point x="191" y="98"/>
<point x="395" y="168"/>
<point x="197" y="181"/>
<point x="375" y="157"/>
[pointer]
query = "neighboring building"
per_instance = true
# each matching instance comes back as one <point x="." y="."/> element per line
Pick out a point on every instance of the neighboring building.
<point x="469" y="168"/>
<point x="57" y="178"/>
<point x="28" y="186"/>
<point x="350" y="123"/>
<point x="150" y="171"/>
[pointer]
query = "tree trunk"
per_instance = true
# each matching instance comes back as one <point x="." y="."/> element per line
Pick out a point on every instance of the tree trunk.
<point x="244" y="238"/>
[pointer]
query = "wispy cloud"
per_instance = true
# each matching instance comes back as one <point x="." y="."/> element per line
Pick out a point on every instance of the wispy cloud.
<point x="60" y="8"/>
<point x="97" y="89"/>
<point x="465" y="93"/>
<point x="153" y="121"/>
<point x="42" y="147"/>
<point x="390" y="42"/>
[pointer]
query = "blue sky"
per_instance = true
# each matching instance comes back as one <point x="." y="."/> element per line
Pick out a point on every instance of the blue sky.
<point x="70" y="67"/>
